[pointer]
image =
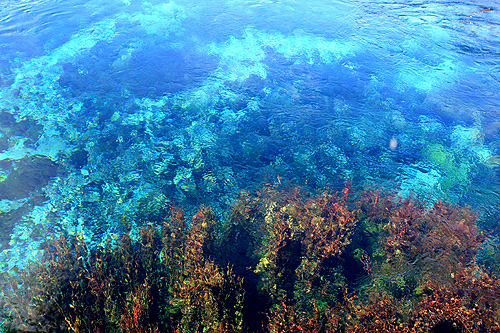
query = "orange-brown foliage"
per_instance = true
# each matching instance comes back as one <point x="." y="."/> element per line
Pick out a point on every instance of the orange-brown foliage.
<point x="315" y="264"/>
<point x="285" y="318"/>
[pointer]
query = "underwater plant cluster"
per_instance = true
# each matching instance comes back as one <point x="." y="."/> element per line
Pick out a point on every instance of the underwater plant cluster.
<point x="283" y="260"/>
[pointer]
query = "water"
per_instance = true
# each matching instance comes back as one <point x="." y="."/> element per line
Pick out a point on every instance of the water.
<point x="108" y="104"/>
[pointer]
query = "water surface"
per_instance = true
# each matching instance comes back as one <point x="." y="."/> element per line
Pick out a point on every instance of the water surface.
<point x="109" y="105"/>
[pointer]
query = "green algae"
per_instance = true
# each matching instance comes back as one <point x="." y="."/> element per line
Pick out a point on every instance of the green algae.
<point x="455" y="169"/>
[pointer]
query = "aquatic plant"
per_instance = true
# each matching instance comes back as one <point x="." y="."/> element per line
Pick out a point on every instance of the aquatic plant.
<point x="210" y="298"/>
<point x="301" y="236"/>
<point x="285" y="318"/>
<point x="284" y="260"/>
<point x="152" y="208"/>
<point x="469" y="304"/>
<point x="160" y="281"/>
<point x="415" y="244"/>
<point x="456" y="168"/>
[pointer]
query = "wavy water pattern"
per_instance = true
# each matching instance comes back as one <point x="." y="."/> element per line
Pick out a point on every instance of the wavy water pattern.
<point x="118" y="105"/>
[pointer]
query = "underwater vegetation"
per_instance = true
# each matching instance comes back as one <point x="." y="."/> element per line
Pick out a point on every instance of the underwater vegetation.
<point x="282" y="260"/>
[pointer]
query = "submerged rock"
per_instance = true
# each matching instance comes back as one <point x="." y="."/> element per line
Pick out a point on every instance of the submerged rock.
<point x="30" y="174"/>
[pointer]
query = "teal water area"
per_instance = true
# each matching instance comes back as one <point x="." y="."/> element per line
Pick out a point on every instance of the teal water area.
<point x="111" y="109"/>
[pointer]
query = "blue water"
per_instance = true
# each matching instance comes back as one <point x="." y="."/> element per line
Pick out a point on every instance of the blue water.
<point x="110" y="106"/>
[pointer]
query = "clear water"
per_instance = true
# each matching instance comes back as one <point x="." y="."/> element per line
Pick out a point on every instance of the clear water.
<point x="108" y="104"/>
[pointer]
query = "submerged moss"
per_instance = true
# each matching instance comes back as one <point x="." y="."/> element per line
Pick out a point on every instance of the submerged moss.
<point x="455" y="169"/>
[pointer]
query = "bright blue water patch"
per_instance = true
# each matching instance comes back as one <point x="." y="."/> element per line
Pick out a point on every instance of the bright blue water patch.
<point x="193" y="102"/>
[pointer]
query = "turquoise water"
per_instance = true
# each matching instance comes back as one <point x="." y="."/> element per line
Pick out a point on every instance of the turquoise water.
<point x="111" y="109"/>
